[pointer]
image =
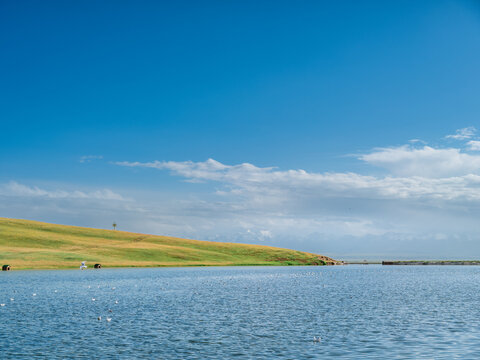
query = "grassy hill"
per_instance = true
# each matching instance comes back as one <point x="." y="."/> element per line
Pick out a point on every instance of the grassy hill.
<point x="28" y="244"/>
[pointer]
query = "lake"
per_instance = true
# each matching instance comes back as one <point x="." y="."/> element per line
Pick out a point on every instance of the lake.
<point x="360" y="312"/>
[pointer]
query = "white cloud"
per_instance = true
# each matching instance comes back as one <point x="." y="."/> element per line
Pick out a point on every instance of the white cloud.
<point x="276" y="186"/>
<point x="474" y="145"/>
<point x="89" y="158"/>
<point x="266" y="233"/>
<point x="207" y="170"/>
<point x="424" y="162"/>
<point x="416" y="141"/>
<point x="15" y="189"/>
<point x="462" y="134"/>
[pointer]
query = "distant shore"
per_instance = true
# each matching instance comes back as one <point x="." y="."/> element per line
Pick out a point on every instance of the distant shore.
<point x="432" y="262"/>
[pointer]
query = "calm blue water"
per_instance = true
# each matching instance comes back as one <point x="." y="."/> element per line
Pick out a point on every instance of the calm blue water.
<point x="361" y="312"/>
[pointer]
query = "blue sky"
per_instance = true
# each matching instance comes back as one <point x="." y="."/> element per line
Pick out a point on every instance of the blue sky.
<point x="110" y="111"/>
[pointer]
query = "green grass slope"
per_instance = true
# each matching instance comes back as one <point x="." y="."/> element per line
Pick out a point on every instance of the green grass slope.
<point x="28" y="244"/>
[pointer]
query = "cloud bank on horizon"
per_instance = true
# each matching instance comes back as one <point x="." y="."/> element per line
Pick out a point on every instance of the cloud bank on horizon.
<point x="421" y="201"/>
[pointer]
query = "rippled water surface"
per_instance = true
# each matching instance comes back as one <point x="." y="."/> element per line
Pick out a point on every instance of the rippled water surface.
<point x="360" y="312"/>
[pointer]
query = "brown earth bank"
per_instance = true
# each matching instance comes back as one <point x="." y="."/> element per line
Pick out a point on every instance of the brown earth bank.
<point x="432" y="262"/>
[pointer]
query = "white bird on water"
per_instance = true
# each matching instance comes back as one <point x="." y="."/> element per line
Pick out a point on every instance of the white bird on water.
<point x="2" y="304"/>
<point x="317" y="339"/>
<point x="109" y="319"/>
<point x="83" y="266"/>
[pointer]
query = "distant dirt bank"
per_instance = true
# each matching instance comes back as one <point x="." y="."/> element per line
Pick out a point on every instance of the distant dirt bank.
<point x="433" y="262"/>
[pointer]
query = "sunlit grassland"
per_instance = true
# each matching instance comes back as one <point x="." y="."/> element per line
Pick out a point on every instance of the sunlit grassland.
<point x="26" y="244"/>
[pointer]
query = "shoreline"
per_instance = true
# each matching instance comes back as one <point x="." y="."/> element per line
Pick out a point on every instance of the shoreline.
<point x="432" y="262"/>
<point x="161" y="267"/>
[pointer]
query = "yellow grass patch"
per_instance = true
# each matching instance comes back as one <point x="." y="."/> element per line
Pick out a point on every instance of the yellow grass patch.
<point x="26" y="244"/>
